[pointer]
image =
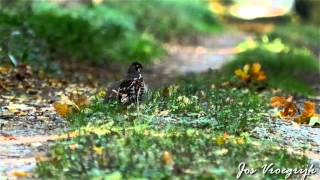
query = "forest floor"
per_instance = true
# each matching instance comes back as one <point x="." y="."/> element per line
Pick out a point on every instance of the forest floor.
<point x="29" y="122"/>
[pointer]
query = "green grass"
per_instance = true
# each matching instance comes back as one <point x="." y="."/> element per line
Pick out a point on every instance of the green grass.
<point x="299" y="35"/>
<point x="132" y="142"/>
<point x="131" y="152"/>
<point x="286" y="67"/>
<point x="227" y="110"/>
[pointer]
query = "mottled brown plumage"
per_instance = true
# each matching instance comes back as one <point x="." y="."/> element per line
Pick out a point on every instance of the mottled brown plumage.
<point x="131" y="89"/>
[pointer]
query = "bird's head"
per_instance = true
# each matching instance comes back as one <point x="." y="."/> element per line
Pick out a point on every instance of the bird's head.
<point x="135" y="68"/>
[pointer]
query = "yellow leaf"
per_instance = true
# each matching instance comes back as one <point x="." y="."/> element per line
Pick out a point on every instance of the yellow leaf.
<point x="62" y="109"/>
<point x="20" y="174"/>
<point x="257" y="73"/>
<point x="102" y="93"/>
<point x="256" y="67"/>
<point x="98" y="150"/>
<point x="246" y="68"/>
<point x="241" y="74"/>
<point x="239" y="140"/>
<point x="220" y="140"/>
<point x="167" y="158"/>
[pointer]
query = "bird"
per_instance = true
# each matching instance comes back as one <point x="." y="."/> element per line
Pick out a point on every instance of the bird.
<point x="131" y="89"/>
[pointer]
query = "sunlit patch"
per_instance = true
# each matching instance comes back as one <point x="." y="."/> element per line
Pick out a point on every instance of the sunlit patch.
<point x="257" y="9"/>
<point x="275" y="45"/>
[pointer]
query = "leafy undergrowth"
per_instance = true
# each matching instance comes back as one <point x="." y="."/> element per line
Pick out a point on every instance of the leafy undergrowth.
<point x="288" y="68"/>
<point x="179" y="131"/>
<point x="36" y="32"/>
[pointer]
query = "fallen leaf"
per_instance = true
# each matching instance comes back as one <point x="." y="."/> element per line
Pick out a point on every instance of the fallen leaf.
<point x="73" y="146"/>
<point x="20" y="173"/>
<point x="289" y="110"/>
<point x="4" y="69"/>
<point x="242" y="74"/>
<point x="167" y="158"/>
<point x="278" y="101"/>
<point x="220" y="140"/>
<point x="101" y="93"/>
<point x="79" y="100"/>
<point x="251" y="72"/>
<point x="255" y="68"/>
<point x="14" y="108"/>
<point x="41" y="158"/>
<point x="7" y="137"/>
<point x="164" y="113"/>
<point x="309" y="109"/>
<point x="261" y="76"/>
<point x="63" y="109"/>
<point x="98" y="150"/>
<point x="308" y="112"/>
<point x="239" y="140"/>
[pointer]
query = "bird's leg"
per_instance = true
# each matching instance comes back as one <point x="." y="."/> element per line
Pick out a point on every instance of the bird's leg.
<point x="137" y="99"/>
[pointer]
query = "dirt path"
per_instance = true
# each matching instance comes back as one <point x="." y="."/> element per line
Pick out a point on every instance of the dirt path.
<point x="210" y="53"/>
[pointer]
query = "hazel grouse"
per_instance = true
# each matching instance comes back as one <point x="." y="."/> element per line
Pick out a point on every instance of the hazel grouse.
<point x="131" y="89"/>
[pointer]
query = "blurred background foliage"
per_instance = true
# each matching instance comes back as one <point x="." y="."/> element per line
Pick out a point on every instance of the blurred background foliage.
<point x="108" y="31"/>
<point x="286" y="34"/>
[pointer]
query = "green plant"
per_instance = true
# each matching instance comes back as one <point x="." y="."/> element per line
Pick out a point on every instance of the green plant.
<point x="286" y="67"/>
<point x="169" y="19"/>
<point x="298" y="35"/>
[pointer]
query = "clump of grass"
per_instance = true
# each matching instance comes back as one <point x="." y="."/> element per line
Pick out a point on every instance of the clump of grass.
<point x="228" y="110"/>
<point x="286" y="67"/>
<point x="298" y="35"/>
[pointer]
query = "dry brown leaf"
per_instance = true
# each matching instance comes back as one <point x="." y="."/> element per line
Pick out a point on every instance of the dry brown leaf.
<point x="7" y="137"/>
<point x="79" y="100"/>
<point x="309" y="109"/>
<point x="308" y="112"/>
<point x="289" y="110"/>
<point x="278" y="101"/>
